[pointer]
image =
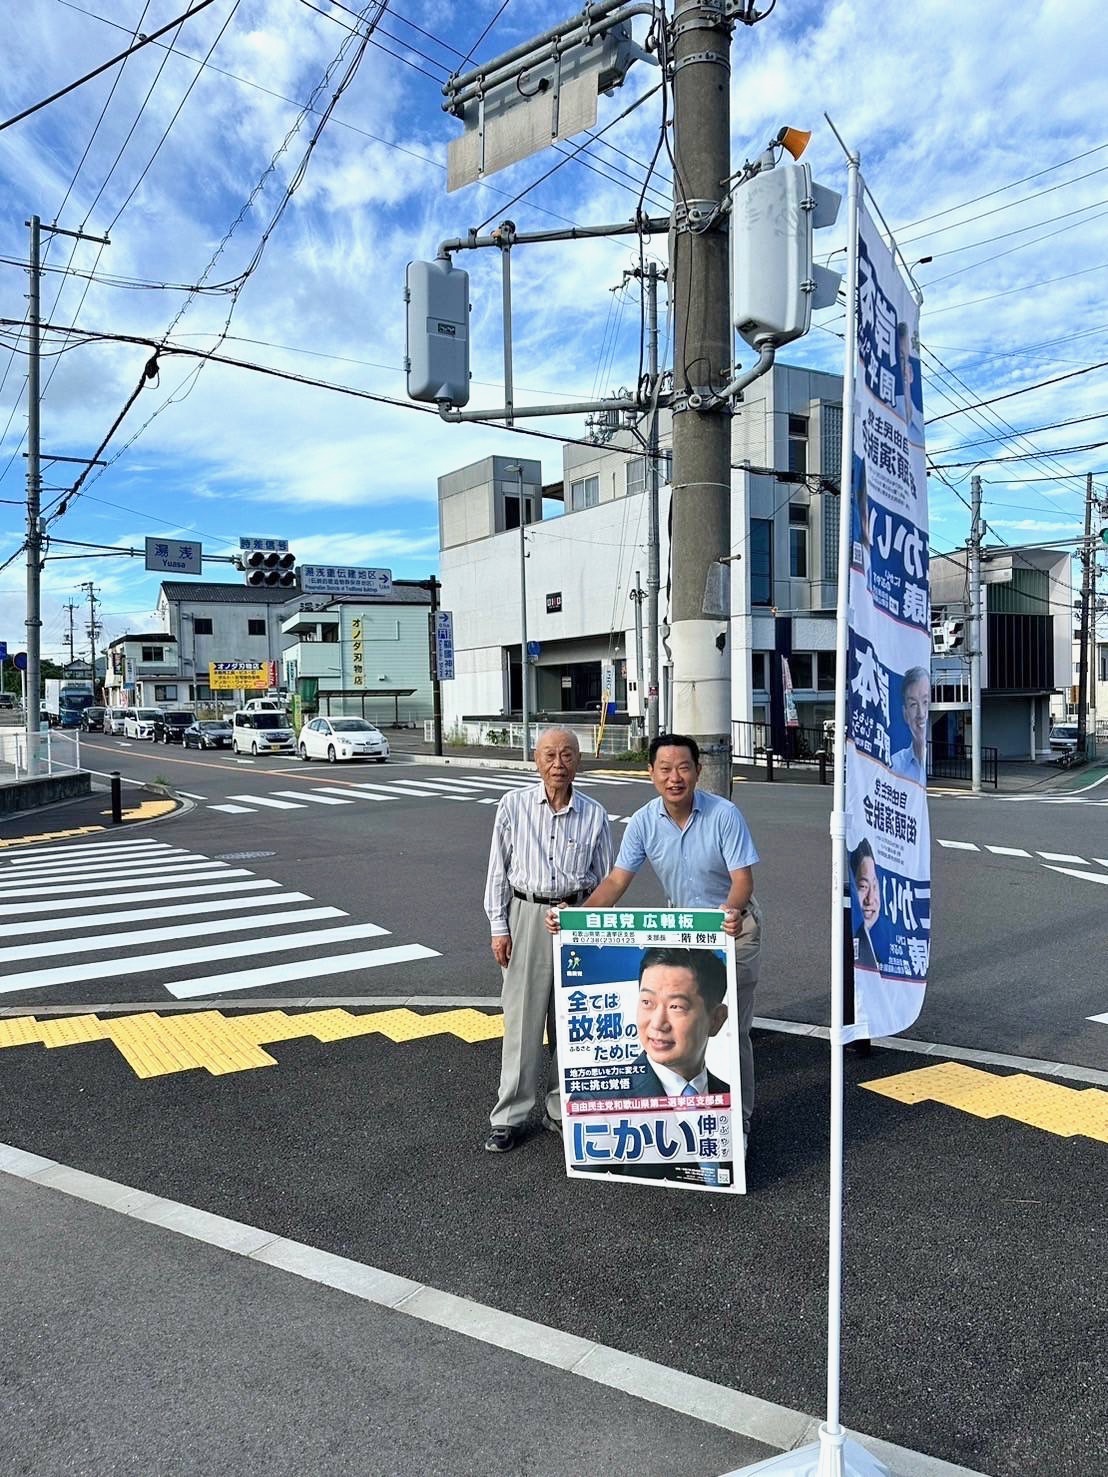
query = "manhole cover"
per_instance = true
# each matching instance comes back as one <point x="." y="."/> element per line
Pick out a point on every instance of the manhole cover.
<point x="243" y="856"/>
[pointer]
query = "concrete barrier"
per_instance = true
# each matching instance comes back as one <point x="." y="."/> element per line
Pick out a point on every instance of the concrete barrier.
<point x="44" y="789"/>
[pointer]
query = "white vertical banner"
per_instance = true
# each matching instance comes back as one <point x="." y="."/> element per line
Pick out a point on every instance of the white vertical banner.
<point x="889" y="652"/>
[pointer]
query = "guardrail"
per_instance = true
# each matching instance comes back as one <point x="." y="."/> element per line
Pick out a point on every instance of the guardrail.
<point x="49" y="753"/>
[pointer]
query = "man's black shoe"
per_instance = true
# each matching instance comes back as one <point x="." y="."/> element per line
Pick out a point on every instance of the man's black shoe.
<point x="503" y="1138"/>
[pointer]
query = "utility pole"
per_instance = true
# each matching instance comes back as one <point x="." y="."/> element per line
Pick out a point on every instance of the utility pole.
<point x="32" y="711"/>
<point x="653" y="568"/>
<point x="1088" y="565"/>
<point x="976" y="533"/>
<point x="434" y="585"/>
<point x="71" y="606"/>
<point x="703" y="338"/>
<point x="93" y="629"/>
<point x="638" y="595"/>
<point x="524" y="695"/>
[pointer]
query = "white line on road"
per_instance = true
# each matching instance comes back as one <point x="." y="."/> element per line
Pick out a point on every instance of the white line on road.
<point x="136" y="915"/>
<point x="352" y="794"/>
<point x="91" y="850"/>
<point x="189" y="795"/>
<point x="232" y="809"/>
<point x="249" y="979"/>
<point x="272" y="804"/>
<point x="1083" y="876"/>
<point x="56" y="905"/>
<point x="405" y="787"/>
<point x="960" y="845"/>
<point x="76" y="888"/>
<point x="90" y="944"/>
<point x="39" y="979"/>
<point x="1007" y="851"/>
<point x="109" y="867"/>
<point x="312" y="796"/>
<point x="1062" y="856"/>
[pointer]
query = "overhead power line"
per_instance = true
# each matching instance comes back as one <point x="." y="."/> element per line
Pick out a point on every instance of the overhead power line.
<point x="1010" y="394"/>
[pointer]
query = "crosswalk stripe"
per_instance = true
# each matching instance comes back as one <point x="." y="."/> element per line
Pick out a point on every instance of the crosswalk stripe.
<point x="1062" y="856"/>
<point x="406" y="787"/>
<point x="1007" y="851"/>
<point x="267" y="800"/>
<point x="355" y="794"/>
<point x="56" y="905"/>
<point x="249" y="979"/>
<point x="39" y="979"/>
<point x="210" y="926"/>
<point x="188" y="909"/>
<point x="959" y="845"/>
<point x="232" y="809"/>
<point x="76" y="888"/>
<point x="99" y="848"/>
<point x="312" y="796"/>
<point x="116" y="868"/>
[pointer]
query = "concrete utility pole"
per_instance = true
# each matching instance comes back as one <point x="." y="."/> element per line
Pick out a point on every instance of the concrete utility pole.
<point x="653" y="566"/>
<point x="1088" y="565"/>
<point x="703" y="338"/>
<point x="32" y="713"/>
<point x="71" y="606"/>
<point x="524" y="695"/>
<point x="94" y="628"/>
<point x="638" y="595"/>
<point x="975" y="634"/>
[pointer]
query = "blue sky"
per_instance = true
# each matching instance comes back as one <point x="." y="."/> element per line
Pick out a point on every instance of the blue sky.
<point x="981" y="134"/>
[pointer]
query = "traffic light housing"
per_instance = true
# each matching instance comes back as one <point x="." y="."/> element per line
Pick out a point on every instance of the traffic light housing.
<point x="267" y="568"/>
<point x="776" y="281"/>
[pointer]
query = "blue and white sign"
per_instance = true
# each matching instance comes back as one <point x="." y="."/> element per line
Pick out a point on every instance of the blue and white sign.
<point x="264" y="545"/>
<point x="173" y="556"/>
<point x="444" y="645"/>
<point x="889" y="652"/>
<point x="329" y="579"/>
<point x="3" y="651"/>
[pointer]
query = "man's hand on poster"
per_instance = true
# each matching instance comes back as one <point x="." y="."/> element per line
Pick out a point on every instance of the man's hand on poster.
<point x="553" y="921"/>
<point x="732" y="922"/>
<point x="502" y="948"/>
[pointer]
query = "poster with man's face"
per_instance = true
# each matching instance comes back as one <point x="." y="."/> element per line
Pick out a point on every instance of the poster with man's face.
<point x="648" y="1054"/>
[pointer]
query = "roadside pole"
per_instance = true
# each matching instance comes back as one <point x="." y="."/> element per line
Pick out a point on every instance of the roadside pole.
<point x="653" y="566"/>
<point x="434" y="586"/>
<point x="32" y="714"/>
<point x="1088" y="565"/>
<point x="975" y="634"/>
<point x="702" y="337"/>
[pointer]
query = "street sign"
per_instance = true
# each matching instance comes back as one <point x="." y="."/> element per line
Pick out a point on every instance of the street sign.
<point x="534" y="650"/>
<point x="317" y="579"/>
<point x="20" y="660"/>
<point x="173" y="556"/>
<point x="264" y="545"/>
<point x="3" y="651"/>
<point x="227" y="676"/>
<point x="443" y="645"/>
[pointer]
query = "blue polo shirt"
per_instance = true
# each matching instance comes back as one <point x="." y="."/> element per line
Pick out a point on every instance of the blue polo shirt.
<point x="694" y="864"/>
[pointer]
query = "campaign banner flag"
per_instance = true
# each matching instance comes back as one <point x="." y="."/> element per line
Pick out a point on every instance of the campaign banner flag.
<point x="889" y="654"/>
<point x="648" y="1052"/>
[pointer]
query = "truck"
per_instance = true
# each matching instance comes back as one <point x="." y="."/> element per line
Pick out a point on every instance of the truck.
<point x="66" y="701"/>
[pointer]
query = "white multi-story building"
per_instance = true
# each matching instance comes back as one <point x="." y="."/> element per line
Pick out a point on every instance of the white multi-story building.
<point x="219" y="623"/>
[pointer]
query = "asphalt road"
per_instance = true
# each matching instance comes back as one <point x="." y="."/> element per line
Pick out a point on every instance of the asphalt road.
<point x="973" y="1308"/>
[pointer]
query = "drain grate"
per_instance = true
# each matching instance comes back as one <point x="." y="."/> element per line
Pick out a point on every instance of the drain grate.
<point x="243" y="856"/>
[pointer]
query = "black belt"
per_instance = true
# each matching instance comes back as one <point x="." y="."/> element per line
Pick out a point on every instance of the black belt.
<point x="571" y="899"/>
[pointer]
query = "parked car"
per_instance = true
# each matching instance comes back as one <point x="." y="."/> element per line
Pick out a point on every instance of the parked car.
<point x="7" y="700"/>
<point x="208" y="733"/>
<point x="1063" y="740"/>
<point x="261" y="733"/>
<point x="116" y="717"/>
<point x="342" y="738"/>
<point x="139" y="723"/>
<point x="265" y="705"/>
<point x="170" y="725"/>
<point x="93" y="719"/>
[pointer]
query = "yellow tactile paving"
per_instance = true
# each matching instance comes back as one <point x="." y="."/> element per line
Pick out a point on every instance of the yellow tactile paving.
<point x="50" y="836"/>
<point x="156" y="1046"/>
<point x="147" y="810"/>
<point x="1049" y="1106"/>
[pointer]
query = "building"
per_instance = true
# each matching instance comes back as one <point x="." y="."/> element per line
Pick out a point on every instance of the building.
<point x="211" y="622"/>
<point x="143" y="671"/>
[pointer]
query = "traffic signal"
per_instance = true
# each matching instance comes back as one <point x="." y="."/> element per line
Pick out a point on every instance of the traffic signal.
<point x="267" y="568"/>
<point x="776" y="281"/>
<point x="947" y="635"/>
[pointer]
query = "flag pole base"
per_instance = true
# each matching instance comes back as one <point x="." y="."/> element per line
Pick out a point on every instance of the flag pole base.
<point x="831" y="1456"/>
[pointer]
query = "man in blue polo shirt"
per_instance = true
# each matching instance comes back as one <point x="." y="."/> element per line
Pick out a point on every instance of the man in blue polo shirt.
<point x="701" y="849"/>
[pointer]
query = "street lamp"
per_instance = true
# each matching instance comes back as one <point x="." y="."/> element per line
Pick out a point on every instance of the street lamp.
<point x="517" y="468"/>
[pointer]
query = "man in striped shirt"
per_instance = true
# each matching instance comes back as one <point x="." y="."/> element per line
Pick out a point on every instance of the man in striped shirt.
<point x="550" y="845"/>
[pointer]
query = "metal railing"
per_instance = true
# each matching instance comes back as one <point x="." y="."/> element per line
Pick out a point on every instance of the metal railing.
<point x="954" y="762"/>
<point x="50" y="753"/>
<point x="804" y="748"/>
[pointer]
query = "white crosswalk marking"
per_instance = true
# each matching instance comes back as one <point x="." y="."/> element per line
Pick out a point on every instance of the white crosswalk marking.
<point x="267" y="800"/>
<point x="117" y="867"/>
<point x="207" y="871"/>
<point x="188" y="909"/>
<point x="1008" y="851"/>
<point x="1061" y="856"/>
<point x="313" y="796"/>
<point x="959" y="845"/>
<point x="232" y="809"/>
<point x="360" y="793"/>
<point x="249" y="979"/>
<point x="81" y="850"/>
<point x="57" y="905"/>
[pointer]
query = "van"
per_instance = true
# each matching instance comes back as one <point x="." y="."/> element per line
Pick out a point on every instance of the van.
<point x="261" y="731"/>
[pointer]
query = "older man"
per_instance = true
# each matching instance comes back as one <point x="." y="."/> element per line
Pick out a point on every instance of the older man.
<point x="550" y="845"/>
<point x="911" y="761"/>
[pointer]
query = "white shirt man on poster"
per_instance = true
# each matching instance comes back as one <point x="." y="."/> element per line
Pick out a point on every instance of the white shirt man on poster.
<point x="911" y="762"/>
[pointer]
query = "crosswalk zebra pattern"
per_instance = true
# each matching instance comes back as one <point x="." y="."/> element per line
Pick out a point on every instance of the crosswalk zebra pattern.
<point x="483" y="789"/>
<point x="105" y="910"/>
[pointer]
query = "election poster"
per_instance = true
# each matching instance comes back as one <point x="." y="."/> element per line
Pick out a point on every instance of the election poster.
<point x="648" y="1053"/>
<point x="889" y="654"/>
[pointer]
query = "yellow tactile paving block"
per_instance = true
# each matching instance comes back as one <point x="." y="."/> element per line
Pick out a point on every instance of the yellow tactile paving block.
<point x="1049" y="1106"/>
<point x="50" y="836"/>
<point x="147" y="810"/>
<point x="157" y="1046"/>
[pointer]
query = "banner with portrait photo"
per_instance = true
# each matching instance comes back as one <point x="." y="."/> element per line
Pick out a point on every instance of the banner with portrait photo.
<point x="889" y="654"/>
<point x="648" y="1052"/>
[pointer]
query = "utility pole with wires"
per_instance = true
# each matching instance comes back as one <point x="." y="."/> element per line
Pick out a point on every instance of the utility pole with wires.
<point x="93" y="629"/>
<point x="1088" y="566"/>
<point x="653" y="567"/>
<point x="71" y="606"/>
<point x="977" y="533"/>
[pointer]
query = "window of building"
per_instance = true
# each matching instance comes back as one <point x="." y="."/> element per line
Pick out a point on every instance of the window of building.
<point x="831" y="440"/>
<point x="255" y="628"/>
<point x="798" y="444"/>
<point x="636" y="475"/>
<point x="798" y="541"/>
<point x="153" y="653"/>
<point x="511" y="510"/>
<point x="202" y="625"/>
<point x="825" y="671"/>
<point x="166" y="694"/>
<point x="800" y="669"/>
<point x="585" y="493"/>
<point x="761" y="561"/>
<point x="758" y="671"/>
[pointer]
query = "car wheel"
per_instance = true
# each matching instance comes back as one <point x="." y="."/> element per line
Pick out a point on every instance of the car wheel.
<point x="332" y="757"/>
<point x="383" y="759"/>
<point x="254" y="750"/>
<point x="303" y="752"/>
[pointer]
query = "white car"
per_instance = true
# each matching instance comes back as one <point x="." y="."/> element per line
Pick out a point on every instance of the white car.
<point x="139" y="723"/>
<point x="115" y="719"/>
<point x="342" y="738"/>
<point x="261" y="732"/>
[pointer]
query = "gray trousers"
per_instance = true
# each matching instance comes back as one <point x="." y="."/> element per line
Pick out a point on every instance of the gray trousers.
<point x="528" y="1002"/>
<point x="748" y="958"/>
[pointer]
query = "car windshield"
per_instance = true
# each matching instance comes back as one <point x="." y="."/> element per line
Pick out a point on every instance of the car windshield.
<point x="215" y="725"/>
<point x="1064" y="730"/>
<point x="352" y="725"/>
<point x="147" y="715"/>
<point x="182" y="718"/>
<point x="268" y="720"/>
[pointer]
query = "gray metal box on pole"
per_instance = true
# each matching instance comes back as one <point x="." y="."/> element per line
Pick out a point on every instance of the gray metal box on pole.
<point x="437" y="359"/>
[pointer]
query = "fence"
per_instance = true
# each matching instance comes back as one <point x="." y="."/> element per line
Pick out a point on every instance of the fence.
<point x="50" y="753"/>
<point x="502" y="734"/>
<point x="804" y="748"/>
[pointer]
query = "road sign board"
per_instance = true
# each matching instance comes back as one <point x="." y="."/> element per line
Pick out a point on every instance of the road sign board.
<point x="327" y="579"/>
<point x="20" y="660"/>
<point x="173" y="556"/>
<point x="264" y="545"/>
<point x="443" y="645"/>
<point x="3" y="651"/>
